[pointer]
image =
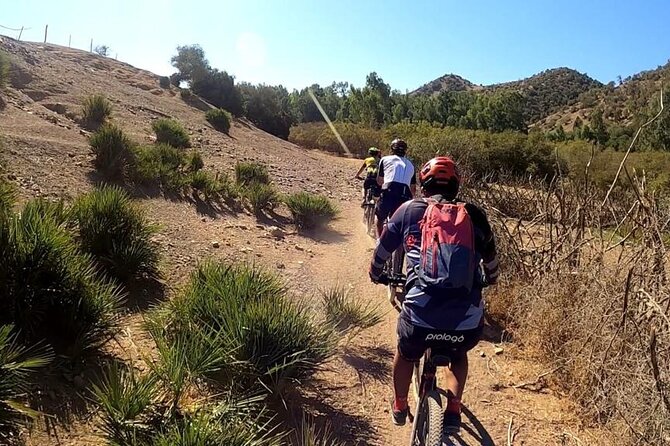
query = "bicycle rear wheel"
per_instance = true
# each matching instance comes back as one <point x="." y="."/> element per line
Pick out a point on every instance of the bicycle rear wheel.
<point x="370" y="218"/>
<point x="427" y="430"/>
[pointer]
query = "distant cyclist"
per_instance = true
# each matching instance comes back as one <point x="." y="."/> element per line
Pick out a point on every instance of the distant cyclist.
<point x="451" y="256"/>
<point x="397" y="180"/>
<point x="371" y="168"/>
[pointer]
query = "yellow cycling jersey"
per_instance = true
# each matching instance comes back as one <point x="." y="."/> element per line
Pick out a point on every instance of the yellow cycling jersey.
<point x="371" y="166"/>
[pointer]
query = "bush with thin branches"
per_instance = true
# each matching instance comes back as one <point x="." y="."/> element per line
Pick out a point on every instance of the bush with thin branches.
<point x="164" y="82"/>
<point x="605" y="329"/>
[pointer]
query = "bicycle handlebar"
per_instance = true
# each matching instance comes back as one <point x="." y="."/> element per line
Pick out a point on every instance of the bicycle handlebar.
<point x="396" y="279"/>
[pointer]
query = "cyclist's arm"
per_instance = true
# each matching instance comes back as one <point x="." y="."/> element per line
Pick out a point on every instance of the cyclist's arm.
<point x="389" y="241"/>
<point x="486" y="245"/>
<point x="358" y="174"/>
<point x="412" y="185"/>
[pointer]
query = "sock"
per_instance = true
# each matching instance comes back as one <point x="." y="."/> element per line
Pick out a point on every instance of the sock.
<point x="454" y="405"/>
<point x="399" y="404"/>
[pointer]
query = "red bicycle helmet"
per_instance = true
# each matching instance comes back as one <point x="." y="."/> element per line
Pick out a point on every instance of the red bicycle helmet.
<point x="440" y="170"/>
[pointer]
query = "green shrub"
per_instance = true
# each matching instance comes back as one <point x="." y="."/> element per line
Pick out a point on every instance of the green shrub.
<point x="186" y="355"/>
<point x="250" y="173"/>
<point x="133" y="413"/>
<point x="271" y="339"/>
<point x="113" y="151"/>
<point x="7" y="196"/>
<point x="169" y="131"/>
<point x="125" y="400"/>
<point x="310" y="210"/>
<point x="115" y="231"/>
<point x="50" y="289"/>
<point x="346" y="312"/>
<point x="219" y="118"/>
<point x="310" y="435"/>
<point x="226" y="188"/>
<point x="96" y="109"/>
<point x="204" y="182"/>
<point x="186" y="94"/>
<point x="194" y="161"/>
<point x="163" y="165"/>
<point x="223" y="424"/>
<point x="261" y="197"/>
<point x="4" y="69"/>
<point x="16" y="364"/>
<point x="164" y="82"/>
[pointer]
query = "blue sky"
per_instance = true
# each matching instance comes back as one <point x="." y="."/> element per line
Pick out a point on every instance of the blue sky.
<point x="300" y="42"/>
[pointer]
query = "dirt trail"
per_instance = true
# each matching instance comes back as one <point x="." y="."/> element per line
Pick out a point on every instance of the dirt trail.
<point x="46" y="154"/>
<point x="354" y="392"/>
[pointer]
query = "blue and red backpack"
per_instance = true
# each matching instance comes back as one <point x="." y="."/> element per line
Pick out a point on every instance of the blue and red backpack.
<point x="448" y="257"/>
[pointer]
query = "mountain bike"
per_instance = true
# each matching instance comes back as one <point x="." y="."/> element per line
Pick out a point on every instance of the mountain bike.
<point x="369" y="211"/>
<point x="427" y="426"/>
<point x="393" y="269"/>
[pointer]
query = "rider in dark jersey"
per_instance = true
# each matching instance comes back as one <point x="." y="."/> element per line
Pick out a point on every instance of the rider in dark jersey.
<point x="449" y="326"/>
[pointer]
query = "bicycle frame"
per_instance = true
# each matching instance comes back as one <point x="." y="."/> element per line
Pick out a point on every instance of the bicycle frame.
<point x="424" y="376"/>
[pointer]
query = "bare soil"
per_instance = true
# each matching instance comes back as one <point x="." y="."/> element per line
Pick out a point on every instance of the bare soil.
<point x="45" y="153"/>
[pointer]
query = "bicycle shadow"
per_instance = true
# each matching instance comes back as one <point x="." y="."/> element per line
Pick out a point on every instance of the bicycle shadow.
<point x="371" y="363"/>
<point x="475" y="430"/>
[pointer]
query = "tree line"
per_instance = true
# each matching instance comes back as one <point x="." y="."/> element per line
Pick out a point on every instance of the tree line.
<point x="376" y="105"/>
<point x="275" y="109"/>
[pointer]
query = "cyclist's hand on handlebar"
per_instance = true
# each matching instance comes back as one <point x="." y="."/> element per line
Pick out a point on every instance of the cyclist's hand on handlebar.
<point x="383" y="279"/>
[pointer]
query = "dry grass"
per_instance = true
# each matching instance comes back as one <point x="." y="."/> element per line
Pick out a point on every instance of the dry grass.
<point x="587" y="291"/>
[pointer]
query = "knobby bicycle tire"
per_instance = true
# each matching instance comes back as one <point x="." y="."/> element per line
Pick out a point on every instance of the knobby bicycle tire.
<point x="370" y="218"/>
<point x="434" y="419"/>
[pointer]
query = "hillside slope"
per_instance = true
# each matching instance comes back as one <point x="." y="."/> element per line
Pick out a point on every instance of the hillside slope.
<point x="621" y="104"/>
<point x="45" y="153"/>
<point x="448" y="82"/>
<point x="545" y="93"/>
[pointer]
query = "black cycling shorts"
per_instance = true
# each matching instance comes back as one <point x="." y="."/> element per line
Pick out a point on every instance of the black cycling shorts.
<point x="413" y="341"/>
<point x="390" y="200"/>
<point x="371" y="183"/>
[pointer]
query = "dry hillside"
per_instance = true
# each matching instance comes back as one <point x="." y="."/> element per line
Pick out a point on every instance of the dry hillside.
<point x="46" y="153"/>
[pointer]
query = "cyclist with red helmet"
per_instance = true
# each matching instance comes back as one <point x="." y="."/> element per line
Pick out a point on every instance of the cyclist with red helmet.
<point x="445" y="317"/>
<point x="398" y="182"/>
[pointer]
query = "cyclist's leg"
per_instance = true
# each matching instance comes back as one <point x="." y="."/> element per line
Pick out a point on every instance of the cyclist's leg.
<point x="381" y="212"/>
<point x="456" y="374"/>
<point x="411" y="346"/>
<point x="388" y="203"/>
